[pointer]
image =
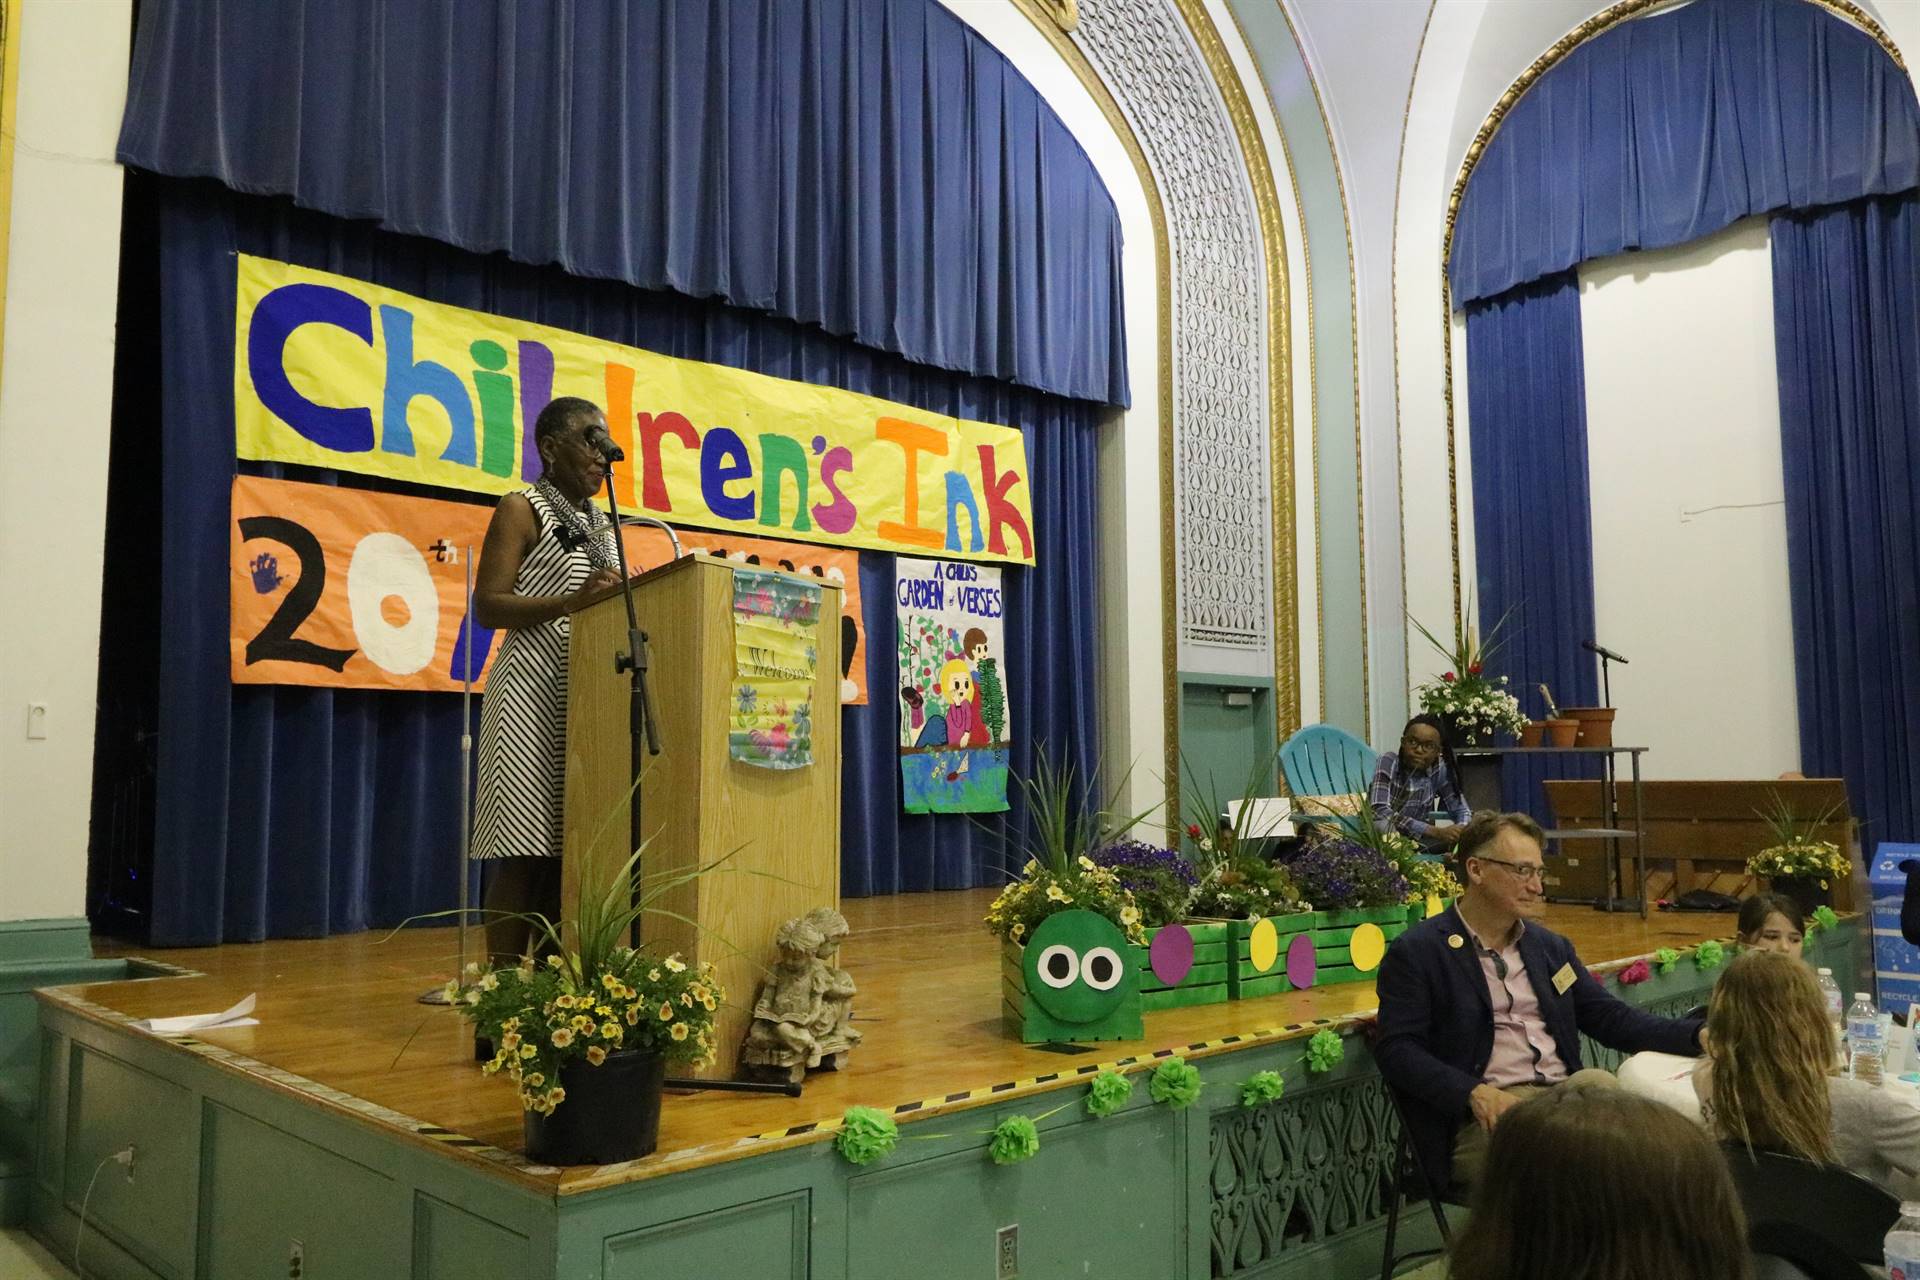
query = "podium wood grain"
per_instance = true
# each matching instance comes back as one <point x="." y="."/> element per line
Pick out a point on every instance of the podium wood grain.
<point x="778" y="831"/>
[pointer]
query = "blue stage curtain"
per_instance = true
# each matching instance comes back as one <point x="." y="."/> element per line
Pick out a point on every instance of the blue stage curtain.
<point x="1668" y="128"/>
<point x="1846" y="315"/>
<point x="869" y="166"/>
<point x="1532" y="515"/>
<point x="297" y="812"/>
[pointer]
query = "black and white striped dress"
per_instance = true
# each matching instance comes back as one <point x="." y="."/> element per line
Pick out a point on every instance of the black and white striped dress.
<point x="523" y="718"/>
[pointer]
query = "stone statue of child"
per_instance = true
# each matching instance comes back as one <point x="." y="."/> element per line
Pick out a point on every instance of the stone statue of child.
<point x="787" y="1008"/>
<point x="832" y="984"/>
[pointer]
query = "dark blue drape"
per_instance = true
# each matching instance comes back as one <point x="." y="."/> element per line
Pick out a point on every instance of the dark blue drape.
<point x="869" y="166"/>
<point x="1846" y="315"/>
<point x="300" y="812"/>
<point x="1668" y="128"/>
<point x="1532" y="516"/>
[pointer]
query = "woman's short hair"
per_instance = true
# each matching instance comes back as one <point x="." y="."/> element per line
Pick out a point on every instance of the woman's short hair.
<point x="1485" y="826"/>
<point x="1757" y="910"/>
<point x="1772" y="1050"/>
<point x="562" y="413"/>
<point x="1606" y="1185"/>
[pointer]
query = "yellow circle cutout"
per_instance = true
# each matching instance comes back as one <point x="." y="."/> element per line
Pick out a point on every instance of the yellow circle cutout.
<point x="1263" y="946"/>
<point x="1368" y="946"/>
<point x="1434" y="905"/>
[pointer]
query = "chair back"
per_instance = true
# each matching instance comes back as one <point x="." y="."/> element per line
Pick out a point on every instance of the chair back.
<point x="1794" y="1199"/>
<point x="1325" y="760"/>
<point x="1782" y="1251"/>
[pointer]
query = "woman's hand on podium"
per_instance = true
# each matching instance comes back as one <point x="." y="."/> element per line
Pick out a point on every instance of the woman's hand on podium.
<point x="597" y="581"/>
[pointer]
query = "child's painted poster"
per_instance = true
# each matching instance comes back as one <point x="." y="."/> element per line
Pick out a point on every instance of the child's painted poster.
<point x="776" y="634"/>
<point x="954" y="724"/>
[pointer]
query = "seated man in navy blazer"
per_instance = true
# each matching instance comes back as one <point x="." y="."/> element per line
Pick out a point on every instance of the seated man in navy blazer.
<point x="1481" y="1006"/>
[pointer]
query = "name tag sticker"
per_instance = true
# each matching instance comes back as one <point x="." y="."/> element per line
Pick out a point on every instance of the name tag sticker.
<point x="1563" y="979"/>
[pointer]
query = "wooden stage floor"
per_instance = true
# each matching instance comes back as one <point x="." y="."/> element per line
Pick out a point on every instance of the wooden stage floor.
<point x="341" y="1013"/>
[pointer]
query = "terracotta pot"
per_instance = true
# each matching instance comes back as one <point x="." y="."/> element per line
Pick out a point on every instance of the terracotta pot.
<point x="1561" y="733"/>
<point x="1596" y="725"/>
<point x="1534" y="734"/>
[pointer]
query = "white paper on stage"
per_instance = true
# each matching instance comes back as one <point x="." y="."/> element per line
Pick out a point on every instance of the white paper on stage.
<point x="1272" y="816"/>
<point x="183" y="1023"/>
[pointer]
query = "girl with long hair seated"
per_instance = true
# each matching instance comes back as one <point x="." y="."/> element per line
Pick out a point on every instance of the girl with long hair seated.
<point x="1600" y="1184"/>
<point x="1770" y="1079"/>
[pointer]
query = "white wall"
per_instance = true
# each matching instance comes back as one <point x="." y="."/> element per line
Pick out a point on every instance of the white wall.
<point x="1689" y="522"/>
<point x="56" y="380"/>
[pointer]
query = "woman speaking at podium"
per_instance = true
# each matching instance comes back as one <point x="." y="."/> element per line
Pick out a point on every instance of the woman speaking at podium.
<point x="548" y="549"/>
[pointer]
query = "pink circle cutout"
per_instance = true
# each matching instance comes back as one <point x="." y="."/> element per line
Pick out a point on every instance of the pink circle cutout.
<point x="1171" y="954"/>
<point x="1302" y="967"/>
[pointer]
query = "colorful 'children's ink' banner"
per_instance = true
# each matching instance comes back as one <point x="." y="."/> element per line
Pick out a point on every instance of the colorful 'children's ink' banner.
<point x="361" y="590"/>
<point x="954" y="726"/>
<point x="336" y="372"/>
<point x="776" y="645"/>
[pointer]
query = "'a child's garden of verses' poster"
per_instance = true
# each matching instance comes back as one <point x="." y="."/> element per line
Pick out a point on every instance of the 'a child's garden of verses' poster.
<point x="954" y="727"/>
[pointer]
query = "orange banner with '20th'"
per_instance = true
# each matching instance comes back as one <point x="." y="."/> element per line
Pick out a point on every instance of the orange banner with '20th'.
<point x="352" y="589"/>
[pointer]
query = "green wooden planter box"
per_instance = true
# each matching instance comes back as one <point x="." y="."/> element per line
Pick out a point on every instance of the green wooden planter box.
<point x="1024" y="1021"/>
<point x="1332" y="956"/>
<point x="1246" y="983"/>
<point x="1417" y="911"/>
<point x="1205" y="983"/>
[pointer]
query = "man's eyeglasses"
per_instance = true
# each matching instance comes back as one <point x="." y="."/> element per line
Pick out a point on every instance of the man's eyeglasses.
<point x="1527" y="872"/>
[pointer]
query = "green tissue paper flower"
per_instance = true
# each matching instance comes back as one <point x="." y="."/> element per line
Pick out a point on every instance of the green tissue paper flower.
<point x="1325" y="1052"/>
<point x="1262" y="1087"/>
<point x="1824" y="918"/>
<point x="866" y="1134"/>
<point x="1014" y="1139"/>
<point x="1709" y="954"/>
<point x="1175" y="1082"/>
<point x="1108" y="1093"/>
<point x="1665" y="958"/>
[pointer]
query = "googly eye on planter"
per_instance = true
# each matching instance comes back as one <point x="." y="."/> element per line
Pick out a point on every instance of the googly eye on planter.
<point x="1075" y="976"/>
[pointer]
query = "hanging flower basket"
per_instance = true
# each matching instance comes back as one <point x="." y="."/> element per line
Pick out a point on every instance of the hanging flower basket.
<point x="1249" y="978"/>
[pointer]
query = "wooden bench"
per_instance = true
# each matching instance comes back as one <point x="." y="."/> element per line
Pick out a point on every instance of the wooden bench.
<point x="1699" y="834"/>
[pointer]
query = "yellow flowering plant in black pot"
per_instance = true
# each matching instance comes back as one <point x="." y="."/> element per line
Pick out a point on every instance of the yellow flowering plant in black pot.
<point x="587" y="1032"/>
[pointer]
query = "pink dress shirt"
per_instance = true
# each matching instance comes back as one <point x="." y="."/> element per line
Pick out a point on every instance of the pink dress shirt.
<point x="1523" y="1051"/>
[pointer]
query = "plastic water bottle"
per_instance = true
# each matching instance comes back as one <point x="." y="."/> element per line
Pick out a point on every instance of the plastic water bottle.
<point x="1866" y="1050"/>
<point x="1830" y="992"/>
<point x="1903" y="1244"/>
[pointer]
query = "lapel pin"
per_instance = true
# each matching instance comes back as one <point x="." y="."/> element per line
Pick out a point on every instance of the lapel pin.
<point x="1455" y="941"/>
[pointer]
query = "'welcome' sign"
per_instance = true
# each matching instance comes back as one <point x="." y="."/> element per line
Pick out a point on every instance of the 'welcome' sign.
<point x="335" y="372"/>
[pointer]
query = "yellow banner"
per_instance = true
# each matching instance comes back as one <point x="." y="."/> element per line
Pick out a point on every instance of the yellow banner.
<point x="335" y="372"/>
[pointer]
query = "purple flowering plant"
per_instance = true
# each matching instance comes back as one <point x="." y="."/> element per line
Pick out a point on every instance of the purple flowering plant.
<point x="1337" y="872"/>
<point x="1161" y="881"/>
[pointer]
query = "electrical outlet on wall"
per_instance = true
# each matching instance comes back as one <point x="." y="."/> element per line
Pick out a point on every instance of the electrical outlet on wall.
<point x="296" y="1260"/>
<point x="1006" y="1253"/>
<point x="36" y="721"/>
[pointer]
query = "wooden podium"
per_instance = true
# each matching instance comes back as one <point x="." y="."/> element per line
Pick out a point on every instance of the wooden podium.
<point x="697" y="804"/>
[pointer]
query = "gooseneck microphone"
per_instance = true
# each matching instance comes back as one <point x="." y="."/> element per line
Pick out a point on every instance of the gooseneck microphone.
<point x="1589" y="645"/>
<point x="602" y="443"/>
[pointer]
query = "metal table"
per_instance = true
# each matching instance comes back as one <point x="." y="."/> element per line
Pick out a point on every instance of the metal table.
<point x="1612" y="832"/>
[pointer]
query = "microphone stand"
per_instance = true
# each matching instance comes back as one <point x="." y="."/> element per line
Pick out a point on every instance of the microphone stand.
<point x="439" y="995"/>
<point x="642" y="729"/>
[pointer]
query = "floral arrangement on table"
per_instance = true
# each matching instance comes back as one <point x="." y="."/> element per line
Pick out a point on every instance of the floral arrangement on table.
<point x="1340" y="869"/>
<point x="1795" y="853"/>
<point x="1465" y="696"/>
<point x="593" y="995"/>
<point x="1060" y="873"/>
<point x="1161" y="881"/>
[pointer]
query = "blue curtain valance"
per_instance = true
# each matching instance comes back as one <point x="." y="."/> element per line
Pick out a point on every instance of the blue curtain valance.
<point x="1671" y="127"/>
<point x="869" y="166"/>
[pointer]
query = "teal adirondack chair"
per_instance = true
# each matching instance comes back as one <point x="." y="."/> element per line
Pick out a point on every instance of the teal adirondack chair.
<point x="1325" y="760"/>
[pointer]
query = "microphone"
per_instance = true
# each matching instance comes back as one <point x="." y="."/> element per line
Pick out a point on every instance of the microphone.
<point x="601" y="443"/>
<point x="1588" y="645"/>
